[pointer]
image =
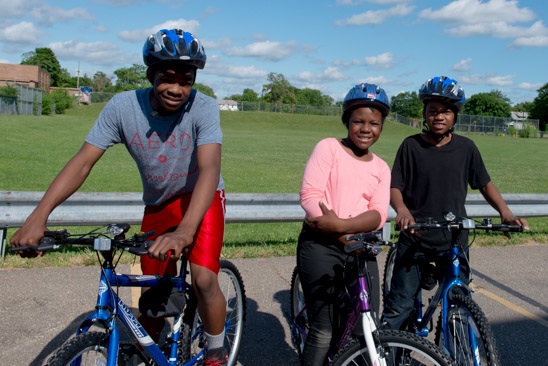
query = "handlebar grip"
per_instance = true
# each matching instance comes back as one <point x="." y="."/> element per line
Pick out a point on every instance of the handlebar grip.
<point x="507" y="228"/>
<point x="46" y="243"/>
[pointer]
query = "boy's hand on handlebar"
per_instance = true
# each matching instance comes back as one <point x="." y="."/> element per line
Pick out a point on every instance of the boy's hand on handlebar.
<point x="514" y="220"/>
<point x="404" y="219"/>
<point x="28" y="235"/>
<point x="175" y="241"/>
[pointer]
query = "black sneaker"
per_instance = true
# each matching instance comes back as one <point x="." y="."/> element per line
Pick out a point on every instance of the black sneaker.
<point x="216" y="357"/>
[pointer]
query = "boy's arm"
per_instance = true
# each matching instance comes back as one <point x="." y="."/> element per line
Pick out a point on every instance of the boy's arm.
<point x="494" y="198"/>
<point x="209" y="166"/>
<point x="71" y="177"/>
<point x="403" y="216"/>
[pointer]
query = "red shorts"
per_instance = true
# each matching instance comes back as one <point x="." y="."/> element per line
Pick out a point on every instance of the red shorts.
<point x="208" y="241"/>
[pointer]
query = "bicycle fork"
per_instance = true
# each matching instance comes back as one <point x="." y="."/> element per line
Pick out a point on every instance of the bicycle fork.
<point x="370" y="332"/>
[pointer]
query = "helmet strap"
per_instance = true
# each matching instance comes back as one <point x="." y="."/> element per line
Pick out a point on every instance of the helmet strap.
<point x="437" y="138"/>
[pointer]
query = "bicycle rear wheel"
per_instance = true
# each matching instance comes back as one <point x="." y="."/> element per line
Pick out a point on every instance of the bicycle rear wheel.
<point x="299" y="316"/>
<point x="232" y="286"/>
<point x="400" y="348"/>
<point x="466" y="322"/>
<point x="388" y="271"/>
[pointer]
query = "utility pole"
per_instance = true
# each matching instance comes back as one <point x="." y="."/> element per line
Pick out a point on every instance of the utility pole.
<point x="78" y="82"/>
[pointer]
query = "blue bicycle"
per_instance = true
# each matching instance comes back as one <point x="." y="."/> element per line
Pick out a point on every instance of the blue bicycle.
<point x="462" y="328"/>
<point x="101" y="339"/>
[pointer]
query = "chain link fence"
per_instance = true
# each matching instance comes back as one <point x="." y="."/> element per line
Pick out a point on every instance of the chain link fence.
<point x="288" y="108"/>
<point x="27" y="102"/>
<point x="487" y="125"/>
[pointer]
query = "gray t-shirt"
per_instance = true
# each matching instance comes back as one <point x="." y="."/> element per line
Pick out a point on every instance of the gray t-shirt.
<point x="164" y="147"/>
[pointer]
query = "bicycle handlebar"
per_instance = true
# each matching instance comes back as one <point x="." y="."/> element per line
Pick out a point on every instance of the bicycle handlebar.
<point x="52" y="240"/>
<point x="369" y="242"/>
<point x="462" y="223"/>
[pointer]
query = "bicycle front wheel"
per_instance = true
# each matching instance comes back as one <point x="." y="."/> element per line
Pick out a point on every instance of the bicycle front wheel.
<point x="84" y="349"/>
<point x="232" y="286"/>
<point x="467" y="326"/>
<point x="399" y="348"/>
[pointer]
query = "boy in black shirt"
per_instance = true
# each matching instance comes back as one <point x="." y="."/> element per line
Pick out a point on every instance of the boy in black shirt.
<point x="430" y="177"/>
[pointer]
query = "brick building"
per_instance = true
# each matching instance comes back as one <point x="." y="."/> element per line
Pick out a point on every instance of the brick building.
<point x="29" y="75"/>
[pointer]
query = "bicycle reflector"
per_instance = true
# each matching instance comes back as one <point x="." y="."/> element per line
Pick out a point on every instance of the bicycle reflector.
<point x="101" y="244"/>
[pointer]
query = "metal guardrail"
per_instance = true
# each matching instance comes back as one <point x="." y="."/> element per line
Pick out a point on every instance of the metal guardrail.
<point x="97" y="208"/>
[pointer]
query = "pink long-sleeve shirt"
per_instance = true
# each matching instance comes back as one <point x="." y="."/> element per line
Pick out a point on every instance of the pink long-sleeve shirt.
<point x="345" y="184"/>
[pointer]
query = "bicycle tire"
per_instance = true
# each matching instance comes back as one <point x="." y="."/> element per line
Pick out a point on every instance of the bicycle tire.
<point x="388" y="271"/>
<point x="90" y="345"/>
<point x="463" y="307"/>
<point x="296" y="298"/>
<point x="232" y="286"/>
<point x="400" y="348"/>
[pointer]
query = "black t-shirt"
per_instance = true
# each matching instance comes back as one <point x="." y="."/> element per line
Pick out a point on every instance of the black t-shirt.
<point x="434" y="180"/>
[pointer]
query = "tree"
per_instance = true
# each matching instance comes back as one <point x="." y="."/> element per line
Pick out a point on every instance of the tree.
<point x="205" y="89"/>
<point x="493" y="104"/>
<point x="249" y="95"/>
<point x="522" y="107"/>
<point x="131" y="78"/>
<point x="539" y="107"/>
<point x="101" y="82"/>
<point x="407" y="104"/>
<point x="45" y="58"/>
<point x="76" y="81"/>
<point x="279" y="90"/>
<point x="309" y="96"/>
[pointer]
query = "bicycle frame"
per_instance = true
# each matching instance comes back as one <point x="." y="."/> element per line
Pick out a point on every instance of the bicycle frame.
<point x="361" y="310"/>
<point x="450" y="280"/>
<point x="110" y="307"/>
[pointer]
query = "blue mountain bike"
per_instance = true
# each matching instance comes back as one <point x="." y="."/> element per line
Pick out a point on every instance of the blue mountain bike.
<point x="462" y="329"/>
<point x="112" y="336"/>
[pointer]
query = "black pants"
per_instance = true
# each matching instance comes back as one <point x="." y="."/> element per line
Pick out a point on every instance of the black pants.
<point x="321" y="261"/>
<point x="406" y="280"/>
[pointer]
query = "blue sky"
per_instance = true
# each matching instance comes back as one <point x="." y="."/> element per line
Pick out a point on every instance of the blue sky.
<point x="329" y="45"/>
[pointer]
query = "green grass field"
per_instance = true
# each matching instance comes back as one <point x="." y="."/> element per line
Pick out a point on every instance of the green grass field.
<point x="262" y="153"/>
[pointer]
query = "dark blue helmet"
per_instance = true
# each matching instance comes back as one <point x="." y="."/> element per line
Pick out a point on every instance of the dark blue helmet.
<point x="174" y="45"/>
<point x="443" y="89"/>
<point x="365" y="95"/>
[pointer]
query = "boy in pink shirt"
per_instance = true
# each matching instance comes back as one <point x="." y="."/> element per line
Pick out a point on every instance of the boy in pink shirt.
<point x="345" y="190"/>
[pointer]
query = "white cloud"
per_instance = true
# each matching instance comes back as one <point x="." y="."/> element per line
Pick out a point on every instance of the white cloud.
<point x="21" y="33"/>
<point x="477" y="11"/>
<point x="529" y="86"/>
<point x="463" y="65"/>
<point x="267" y="50"/>
<point x="48" y="15"/>
<point x="17" y="8"/>
<point x="329" y="74"/>
<point x="495" y="18"/>
<point x="491" y="80"/>
<point x="216" y="66"/>
<point x="382" y="61"/>
<point x="97" y="53"/>
<point x="376" y="16"/>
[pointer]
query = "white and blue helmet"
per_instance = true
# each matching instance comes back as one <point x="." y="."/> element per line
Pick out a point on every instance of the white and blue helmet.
<point x="365" y="95"/>
<point x="173" y="45"/>
<point x="443" y="89"/>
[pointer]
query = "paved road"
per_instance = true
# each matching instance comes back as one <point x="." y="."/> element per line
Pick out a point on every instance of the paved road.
<point x="40" y="308"/>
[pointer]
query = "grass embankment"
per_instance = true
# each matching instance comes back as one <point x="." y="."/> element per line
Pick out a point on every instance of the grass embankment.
<point x="262" y="153"/>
